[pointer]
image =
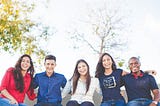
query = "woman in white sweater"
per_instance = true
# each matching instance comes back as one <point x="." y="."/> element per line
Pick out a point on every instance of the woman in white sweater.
<point x="81" y="86"/>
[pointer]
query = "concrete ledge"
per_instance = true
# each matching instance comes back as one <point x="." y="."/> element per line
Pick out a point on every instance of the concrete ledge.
<point x="96" y="98"/>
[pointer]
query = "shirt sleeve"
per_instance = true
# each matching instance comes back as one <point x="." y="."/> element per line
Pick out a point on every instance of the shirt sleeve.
<point x="67" y="89"/>
<point x="153" y="83"/>
<point x="35" y="81"/>
<point x="6" y="79"/>
<point x="64" y="82"/>
<point x="31" y="95"/>
<point x="98" y="89"/>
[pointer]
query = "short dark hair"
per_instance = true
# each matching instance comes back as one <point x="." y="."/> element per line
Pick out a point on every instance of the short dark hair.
<point x="136" y="58"/>
<point x="50" y="57"/>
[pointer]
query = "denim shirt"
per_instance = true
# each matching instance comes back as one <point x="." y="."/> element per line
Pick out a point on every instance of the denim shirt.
<point x="49" y="88"/>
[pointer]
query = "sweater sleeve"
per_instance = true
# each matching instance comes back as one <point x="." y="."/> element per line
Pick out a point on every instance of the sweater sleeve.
<point x="98" y="89"/>
<point x="67" y="89"/>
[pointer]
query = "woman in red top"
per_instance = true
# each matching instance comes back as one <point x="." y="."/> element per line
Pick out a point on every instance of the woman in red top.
<point x="17" y="82"/>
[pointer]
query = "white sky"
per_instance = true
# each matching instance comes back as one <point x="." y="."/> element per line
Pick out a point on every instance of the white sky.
<point x="143" y="39"/>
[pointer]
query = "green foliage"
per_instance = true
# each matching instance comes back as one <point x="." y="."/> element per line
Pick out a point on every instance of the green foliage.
<point x="121" y="63"/>
<point x="16" y="29"/>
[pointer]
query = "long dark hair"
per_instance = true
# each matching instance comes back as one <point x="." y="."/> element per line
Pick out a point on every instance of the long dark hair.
<point x="18" y="78"/>
<point x="100" y="69"/>
<point x="76" y="76"/>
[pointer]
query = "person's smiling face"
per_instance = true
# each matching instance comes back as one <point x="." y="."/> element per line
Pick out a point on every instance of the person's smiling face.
<point x="25" y="63"/>
<point x="107" y="62"/>
<point x="82" y="69"/>
<point x="50" y="65"/>
<point x="134" y="65"/>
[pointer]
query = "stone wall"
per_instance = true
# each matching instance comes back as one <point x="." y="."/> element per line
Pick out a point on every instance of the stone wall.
<point x="96" y="98"/>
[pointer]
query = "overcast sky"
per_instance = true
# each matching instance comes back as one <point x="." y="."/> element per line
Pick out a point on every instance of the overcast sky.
<point x="143" y="38"/>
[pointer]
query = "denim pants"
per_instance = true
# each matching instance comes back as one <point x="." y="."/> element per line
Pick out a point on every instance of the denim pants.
<point x="6" y="102"/>
<point x="48" y="104"/>
<point x="120" y="102"/>
<point x="140" y="102"/>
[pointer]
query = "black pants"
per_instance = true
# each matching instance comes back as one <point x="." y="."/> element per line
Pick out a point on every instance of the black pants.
<point x="75" y="103"/>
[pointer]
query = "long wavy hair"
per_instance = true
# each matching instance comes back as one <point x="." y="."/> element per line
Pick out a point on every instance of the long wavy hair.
<point x="76" y="76"/>
<point x="18" y="78"/>
<point x="100" y="69"/>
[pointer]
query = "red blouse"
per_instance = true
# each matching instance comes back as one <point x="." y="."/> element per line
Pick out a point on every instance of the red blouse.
<point x="9" y="84"/>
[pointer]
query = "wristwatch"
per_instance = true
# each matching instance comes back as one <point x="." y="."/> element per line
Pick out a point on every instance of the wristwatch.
<point x="155" y="102"/>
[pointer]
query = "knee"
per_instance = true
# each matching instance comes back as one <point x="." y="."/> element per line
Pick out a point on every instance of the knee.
<point x="72" y="103"/>
<point x="87" y="104"/>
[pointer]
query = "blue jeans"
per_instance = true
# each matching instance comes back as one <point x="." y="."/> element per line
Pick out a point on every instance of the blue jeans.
<point x="140" y="102"/>
<point x="6" y="102"/>
<point x="120" y="102"/>
<point x="48" y="104"/>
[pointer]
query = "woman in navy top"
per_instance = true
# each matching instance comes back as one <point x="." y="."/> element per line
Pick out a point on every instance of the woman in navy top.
<point x="110" y="81"/>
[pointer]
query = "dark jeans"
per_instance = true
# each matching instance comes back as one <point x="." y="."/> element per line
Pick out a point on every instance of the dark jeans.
<point x="120" y="102"/>
<point x="48" y="104"/>
<point x="75" y="103"/>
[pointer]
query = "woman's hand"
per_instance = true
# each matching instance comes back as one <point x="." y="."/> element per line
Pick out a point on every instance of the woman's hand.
<point x="13" y="101"/>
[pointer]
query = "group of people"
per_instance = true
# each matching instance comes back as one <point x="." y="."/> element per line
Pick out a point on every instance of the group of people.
<point x="141" y="87"/>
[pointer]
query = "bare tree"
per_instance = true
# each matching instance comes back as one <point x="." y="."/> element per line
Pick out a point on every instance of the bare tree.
<point x="105" y="28"/>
